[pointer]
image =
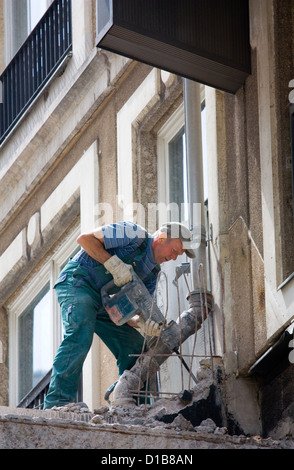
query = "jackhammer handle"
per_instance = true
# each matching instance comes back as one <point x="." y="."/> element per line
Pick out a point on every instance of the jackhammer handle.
<point x="107" y="287"/>
<point x="105" y="290"/>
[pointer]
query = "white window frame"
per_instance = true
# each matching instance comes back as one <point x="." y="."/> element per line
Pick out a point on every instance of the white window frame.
<point x="10" y="35"/>
<point x="170" y="372"/>
<point x="47" y="273"/>
<point x="165" y="135"/>
<point x="169" y="376"/>
<point x="41" y="12"/>
<point x="9" y="32"/>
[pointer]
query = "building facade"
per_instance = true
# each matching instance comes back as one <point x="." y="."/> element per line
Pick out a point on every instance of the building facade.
<point x="92" y="137"/>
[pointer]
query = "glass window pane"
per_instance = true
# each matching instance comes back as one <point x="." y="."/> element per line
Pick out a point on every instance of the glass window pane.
<point x="177" y="174"/>
<point x="19" y="27"/>
<point x="37" y="10"/>
<point x="35" y="340"/>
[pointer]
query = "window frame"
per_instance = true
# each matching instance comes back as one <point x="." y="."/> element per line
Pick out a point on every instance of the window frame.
<point x="41" y="12"/>
<point x="26" y="334"/>
<point x="168" y="131"/>
<point x="11" y="41"/>
<point x="170" y="375"/>
<point x="48" y="272"/>
<point x="14" y="39"/>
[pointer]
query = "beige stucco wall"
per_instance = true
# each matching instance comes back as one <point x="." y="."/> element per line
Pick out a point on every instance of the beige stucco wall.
<point x="74" y="119"/>
<point x="246" y="206"/>
<point x="66" y="121"/>
<point x="251" y="247"/>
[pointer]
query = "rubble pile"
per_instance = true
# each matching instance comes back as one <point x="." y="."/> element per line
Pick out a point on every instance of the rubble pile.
<point x="199" y="409"/>
<point x="195" y="418"/>
<point x="143" y="415"/>
<point x="72" y="408"/>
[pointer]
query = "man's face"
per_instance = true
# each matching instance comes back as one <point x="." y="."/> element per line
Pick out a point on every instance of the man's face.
<point x="167" y="249"/>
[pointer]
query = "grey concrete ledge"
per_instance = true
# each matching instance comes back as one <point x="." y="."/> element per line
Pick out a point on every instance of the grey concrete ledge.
<point x="32" y="429"/>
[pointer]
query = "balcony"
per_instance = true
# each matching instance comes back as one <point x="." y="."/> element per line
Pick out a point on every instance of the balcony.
<point x="36" y="396"/>
<point x="35" y="63"/>
<point x="207" y="41"/>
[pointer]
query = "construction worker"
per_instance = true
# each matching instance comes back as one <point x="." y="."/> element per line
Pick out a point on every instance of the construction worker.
<point x="110" y="252"/>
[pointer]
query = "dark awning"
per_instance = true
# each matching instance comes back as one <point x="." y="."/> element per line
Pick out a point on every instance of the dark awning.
<point x="203" y="40"/>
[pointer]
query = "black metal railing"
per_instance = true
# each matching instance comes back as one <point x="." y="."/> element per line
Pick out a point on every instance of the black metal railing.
<point x="36" y="396"/>
<point x="35" y="62"/>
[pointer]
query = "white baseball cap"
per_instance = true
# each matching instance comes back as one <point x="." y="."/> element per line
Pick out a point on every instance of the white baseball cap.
<point x="178" y="230"/>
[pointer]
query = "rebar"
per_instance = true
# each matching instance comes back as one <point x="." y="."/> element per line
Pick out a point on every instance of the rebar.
<point x="172" y="336"/>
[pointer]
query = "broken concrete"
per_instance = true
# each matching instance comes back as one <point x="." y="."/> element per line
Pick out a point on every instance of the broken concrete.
<point x="171" y="337"/>
<point x="34" y="430"/>
<point x="193" y="419"/>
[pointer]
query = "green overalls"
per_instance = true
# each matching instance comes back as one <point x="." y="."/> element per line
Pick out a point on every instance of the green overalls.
<point x="78" y="292"/>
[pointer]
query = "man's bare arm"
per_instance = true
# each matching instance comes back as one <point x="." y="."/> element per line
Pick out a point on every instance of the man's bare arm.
<point x="93" y="244"/>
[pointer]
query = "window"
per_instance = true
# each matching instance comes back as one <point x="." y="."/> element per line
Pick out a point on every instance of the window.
<point x="34" y="340"/>
<point x="172" y="167"/>
<point x="177" y="180"/>
<point x="172" y="193"/>
<point x="15" y="20"/>
<point x="36" y="8"/>
<point x="21" y="16"/>
<point x="173" y="197"/>
<point x="35" y="327"/>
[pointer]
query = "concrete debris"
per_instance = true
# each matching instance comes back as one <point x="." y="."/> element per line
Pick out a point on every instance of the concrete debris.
<point x="80" y="407"/>
<point x="207" y="425"/>
<point x="101" y="410"/>
<point x="160" y="413"/>
<point x="181" y="424"/>
<point x="151" y="417"/>
<point x="205" y="368"/>
<point x="195" y="410"/>
<point x="200" y="411"/>
<point x="34" y="431"/>
<point x="150" y="362"/>
<point x="186" y="397"/>
<point x="97" y="419"/>
<point x="221" y="431"/>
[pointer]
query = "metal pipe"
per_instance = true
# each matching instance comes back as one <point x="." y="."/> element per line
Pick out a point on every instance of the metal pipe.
<point x="133" y="380"/>
<point x="159" y="350"/>
<point x="193" y="132"/>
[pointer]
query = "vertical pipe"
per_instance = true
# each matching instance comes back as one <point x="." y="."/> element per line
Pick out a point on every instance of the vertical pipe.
<point x="195" y="173"/>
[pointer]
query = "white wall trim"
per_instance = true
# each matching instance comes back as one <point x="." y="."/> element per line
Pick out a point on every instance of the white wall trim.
<point x="85" y="176"/>
<point x="139" y="101"/>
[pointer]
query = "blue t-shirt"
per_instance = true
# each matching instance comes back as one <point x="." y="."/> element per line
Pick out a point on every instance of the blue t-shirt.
<point x="122" y="239"/>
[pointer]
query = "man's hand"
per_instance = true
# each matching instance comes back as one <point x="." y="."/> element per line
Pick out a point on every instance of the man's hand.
<point x="149" y="327"/>
<point x="120" y="271"/>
